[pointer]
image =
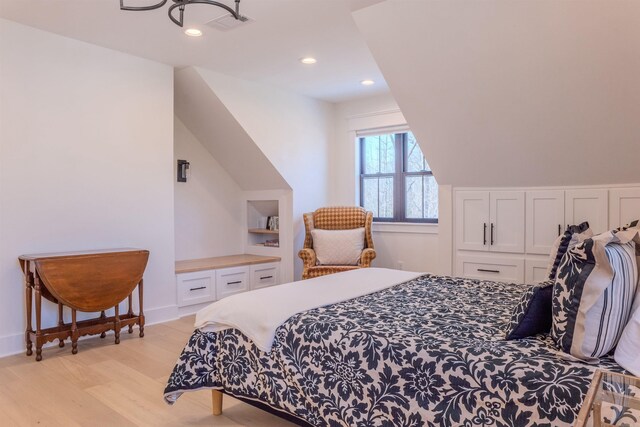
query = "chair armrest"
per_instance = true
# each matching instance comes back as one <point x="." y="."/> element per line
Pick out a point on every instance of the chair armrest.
<point x="308" y="257"/>
<point x="367" y="256"/>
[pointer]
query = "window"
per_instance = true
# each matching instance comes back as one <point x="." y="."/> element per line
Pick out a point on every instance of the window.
<point x="396" y="182"/>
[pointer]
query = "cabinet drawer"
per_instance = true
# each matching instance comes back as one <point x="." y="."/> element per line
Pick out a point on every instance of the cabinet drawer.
<point x="231" y="281"/>
<point x="196" y="287"/>
<point x="535" y="271"/>
<point x="490" y="268"/>
<point x="263" y="275"/>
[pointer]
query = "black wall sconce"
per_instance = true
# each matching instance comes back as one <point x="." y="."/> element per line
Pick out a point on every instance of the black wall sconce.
<point x="183" y="166"/>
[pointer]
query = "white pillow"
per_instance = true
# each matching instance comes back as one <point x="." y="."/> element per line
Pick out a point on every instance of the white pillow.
<point x="628" y="351"/>
<point x="338" y="247"/>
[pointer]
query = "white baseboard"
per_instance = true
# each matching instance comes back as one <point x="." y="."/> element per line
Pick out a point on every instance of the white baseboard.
<point x="14" y="343"/>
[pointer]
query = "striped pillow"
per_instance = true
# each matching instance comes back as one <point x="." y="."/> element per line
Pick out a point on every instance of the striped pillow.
<point x="593" y="294"/>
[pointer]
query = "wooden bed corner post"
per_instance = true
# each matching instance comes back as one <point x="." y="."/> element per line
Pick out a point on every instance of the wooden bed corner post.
<point x="216" y="400"/>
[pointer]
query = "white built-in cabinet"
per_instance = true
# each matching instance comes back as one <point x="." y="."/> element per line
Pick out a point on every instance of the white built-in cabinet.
<point x="472" y="220"/>
<point x="588" y="205"/>
<point x="507" y="235"/>
<point x="535" y="270"/>
<point x="490" y="221"/>
<point x="624" y="204"/>
<point x="545" y="216"/>
<point x="211" y="284"/>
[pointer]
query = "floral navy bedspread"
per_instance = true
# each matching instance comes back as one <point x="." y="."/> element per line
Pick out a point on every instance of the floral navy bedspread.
<point x="430" y="351"/>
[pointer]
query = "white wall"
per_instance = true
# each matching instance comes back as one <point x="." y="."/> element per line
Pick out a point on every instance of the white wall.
<point x="208" y="206"/>
<point x="515" y="93"/>
<point x="86" y="153"/>
<point x="417" y="247"/>
<point x="293" y="131"/>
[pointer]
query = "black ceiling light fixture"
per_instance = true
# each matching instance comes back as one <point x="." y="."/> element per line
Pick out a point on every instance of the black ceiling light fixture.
<point x="181" y="4"/>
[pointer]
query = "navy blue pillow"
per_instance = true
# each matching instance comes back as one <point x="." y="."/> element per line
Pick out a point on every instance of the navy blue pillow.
<point x="532" y="315"/>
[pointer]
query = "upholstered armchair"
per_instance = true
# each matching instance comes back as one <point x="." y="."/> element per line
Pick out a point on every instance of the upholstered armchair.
<point x="336" y="218"/>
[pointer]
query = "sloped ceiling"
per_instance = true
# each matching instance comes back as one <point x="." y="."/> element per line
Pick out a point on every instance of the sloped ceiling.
<point x="213" y="125"/>
<point x="515" y="93"/>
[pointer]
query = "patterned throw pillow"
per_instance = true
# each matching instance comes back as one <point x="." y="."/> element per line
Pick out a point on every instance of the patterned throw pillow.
<point x="632" y="224"/>
<point x="573" y="235"/>
<point x="532" y="315"/>
<point x="593" y="294"/>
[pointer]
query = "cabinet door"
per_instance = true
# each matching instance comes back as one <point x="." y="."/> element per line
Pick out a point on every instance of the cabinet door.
<point x="545" y="219"/>
<point x="472" y="220"/>
<point x="535" y="271"/>
<point x="506" y="228"/>
<point x="624" y="206"/>
<point x="587" y="205"/>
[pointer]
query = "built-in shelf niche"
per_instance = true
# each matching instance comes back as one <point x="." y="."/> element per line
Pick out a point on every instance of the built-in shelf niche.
<point x="258" y="212"/>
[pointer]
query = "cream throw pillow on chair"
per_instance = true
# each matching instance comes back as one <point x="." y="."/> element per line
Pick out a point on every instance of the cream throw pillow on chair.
<point x="338" y="247"/>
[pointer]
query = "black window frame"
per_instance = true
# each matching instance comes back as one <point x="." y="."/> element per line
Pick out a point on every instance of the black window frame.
<point x="401" y="140"/>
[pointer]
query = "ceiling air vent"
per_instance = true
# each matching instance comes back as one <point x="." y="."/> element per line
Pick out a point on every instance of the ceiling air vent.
<point x="228" y="22"/>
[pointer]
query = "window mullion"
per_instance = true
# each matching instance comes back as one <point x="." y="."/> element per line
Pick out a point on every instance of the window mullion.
<point x="399" y="196"/>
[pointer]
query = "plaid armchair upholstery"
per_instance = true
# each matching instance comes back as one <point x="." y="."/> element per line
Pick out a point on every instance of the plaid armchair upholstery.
<point x="336" y="218"/>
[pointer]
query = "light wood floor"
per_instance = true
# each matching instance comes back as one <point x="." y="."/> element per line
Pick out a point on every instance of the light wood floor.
<point x="113" y="385"/>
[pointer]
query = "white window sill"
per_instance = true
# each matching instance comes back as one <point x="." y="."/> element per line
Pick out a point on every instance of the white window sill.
<point x="405" y="227"/>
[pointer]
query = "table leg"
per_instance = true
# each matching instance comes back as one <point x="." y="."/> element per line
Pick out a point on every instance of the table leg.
<point x="140" y="293"/>
<point x="29" y="303"/>
<point x="117" y="324"/>
<point x="60" y="323"/>
<point x="38" y="318"/>
<point x="102" y="316"/>
<point x="74" y="332"/>
<point x="130" y="312"/>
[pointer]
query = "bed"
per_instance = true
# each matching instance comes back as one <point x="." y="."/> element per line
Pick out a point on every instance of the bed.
<point x="426" y="351"/>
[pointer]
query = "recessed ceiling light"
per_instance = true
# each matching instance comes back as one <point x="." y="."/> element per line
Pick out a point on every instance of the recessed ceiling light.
<point x="367" y="82"/>
<point x="193" y="32"/>
<point x="308" y="60"/>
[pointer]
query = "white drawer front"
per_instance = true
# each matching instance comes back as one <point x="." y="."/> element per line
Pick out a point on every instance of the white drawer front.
<point x="263" y="275"/>
<point x="196" y="288"/>
<point x="496" y="269"/>
<point x="231" y="281"/>
<point x="535" y="271"/>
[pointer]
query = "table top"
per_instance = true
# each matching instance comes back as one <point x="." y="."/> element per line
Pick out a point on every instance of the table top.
<point x="610" y="390"/>
<point x="31" y="257"/>
<point x="214" y="263"/>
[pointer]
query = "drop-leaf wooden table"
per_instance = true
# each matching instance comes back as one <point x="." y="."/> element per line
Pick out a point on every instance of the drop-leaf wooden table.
<point x="88" y="281"/>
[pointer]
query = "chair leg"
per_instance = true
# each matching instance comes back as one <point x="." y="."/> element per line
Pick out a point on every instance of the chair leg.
<point x="216" y="400"/>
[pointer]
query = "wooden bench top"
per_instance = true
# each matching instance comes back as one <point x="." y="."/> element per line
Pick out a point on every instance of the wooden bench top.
<point x="214" y="263"/>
